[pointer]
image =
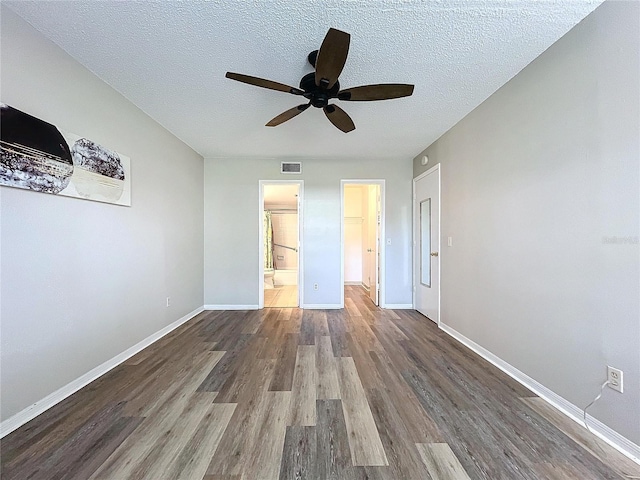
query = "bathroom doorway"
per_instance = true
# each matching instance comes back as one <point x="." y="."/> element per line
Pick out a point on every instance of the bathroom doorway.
<point x="280" y="259"/>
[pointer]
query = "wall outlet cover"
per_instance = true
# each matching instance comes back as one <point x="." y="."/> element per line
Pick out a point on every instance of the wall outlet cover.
<point x="615" y="378"/>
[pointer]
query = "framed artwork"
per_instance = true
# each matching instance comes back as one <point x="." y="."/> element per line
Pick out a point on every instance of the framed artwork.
<point x="35" y="155"/>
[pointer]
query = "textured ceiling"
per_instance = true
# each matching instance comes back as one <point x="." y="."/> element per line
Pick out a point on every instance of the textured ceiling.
<point x="169" y="58"/>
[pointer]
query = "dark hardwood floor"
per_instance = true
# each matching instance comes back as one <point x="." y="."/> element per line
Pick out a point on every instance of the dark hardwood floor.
<point x="283" y="393"/>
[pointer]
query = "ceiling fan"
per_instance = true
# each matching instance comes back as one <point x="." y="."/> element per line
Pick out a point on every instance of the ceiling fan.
<point x="322" y="86"/>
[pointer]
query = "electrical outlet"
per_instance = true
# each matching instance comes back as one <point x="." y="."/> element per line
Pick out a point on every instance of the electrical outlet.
<point x="168" y="301"/>
<point x="315" y="286"/>
<point x="615" y="378"/>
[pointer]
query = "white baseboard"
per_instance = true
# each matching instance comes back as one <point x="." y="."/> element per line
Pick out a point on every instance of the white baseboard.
<point x="32" y="411"/>
<point x="231" y="307"/>
<point x="613" y="438"/>
<point x="322" y="306"/>
<point x="398" y="306"/>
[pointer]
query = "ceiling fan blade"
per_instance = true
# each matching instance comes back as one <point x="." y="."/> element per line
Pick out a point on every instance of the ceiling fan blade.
<point x="339" y="118"/>
<point x="288" y="115"/>
<point x="384" y="91"/>
<point x="332" y="57"/>
<point x="261" y="82"/>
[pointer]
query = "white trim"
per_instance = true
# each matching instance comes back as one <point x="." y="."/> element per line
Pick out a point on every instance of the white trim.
<point x="261" y="184"/>
<point x="398" y="306"/>
<point x="382" y="274"/>
<point x="613" y="438"/>
<point x="322" y="306"/>
<point x="424" y="174"/>
<point x="231" y="307"/>
<point x="414" y="237"/>
<point x="32" y="411"/>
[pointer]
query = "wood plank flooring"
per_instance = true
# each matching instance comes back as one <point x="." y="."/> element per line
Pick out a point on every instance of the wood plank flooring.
<point x="283" y="393"/>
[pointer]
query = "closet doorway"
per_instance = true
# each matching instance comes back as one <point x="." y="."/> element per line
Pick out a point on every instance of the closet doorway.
<point x="362" y="231"/>
<point x="280" y="244"/>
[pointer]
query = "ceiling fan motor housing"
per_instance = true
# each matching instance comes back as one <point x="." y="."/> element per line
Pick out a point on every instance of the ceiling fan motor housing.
<point x="312" y="57"/>
<point x="318" y="95"/>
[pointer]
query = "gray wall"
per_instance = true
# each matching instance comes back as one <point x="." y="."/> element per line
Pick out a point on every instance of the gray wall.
<point x="83" y="281"/>
<point x="231" y="226"/>
<point x="535" y="181"/>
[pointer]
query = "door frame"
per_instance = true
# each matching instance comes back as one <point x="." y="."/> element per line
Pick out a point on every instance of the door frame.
<point x="261" y="184"/>
<point x="381" y="253"/>
<point x="416" y="252"/>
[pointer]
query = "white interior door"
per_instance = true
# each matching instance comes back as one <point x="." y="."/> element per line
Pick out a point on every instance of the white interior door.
<point x="374" y="242"/>
<point x="426" y="228"/>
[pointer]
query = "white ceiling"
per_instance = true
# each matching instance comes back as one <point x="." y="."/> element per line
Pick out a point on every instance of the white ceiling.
<point x="281" y="196"/>
<point x="169" y="58"/>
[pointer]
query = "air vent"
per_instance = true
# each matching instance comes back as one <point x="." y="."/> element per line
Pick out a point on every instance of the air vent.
<point x="290" y="167"/>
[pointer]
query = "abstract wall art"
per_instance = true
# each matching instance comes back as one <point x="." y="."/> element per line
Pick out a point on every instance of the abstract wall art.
<point x="35" y="155"/>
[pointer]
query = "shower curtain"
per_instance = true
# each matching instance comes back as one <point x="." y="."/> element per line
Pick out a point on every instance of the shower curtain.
<point x="268" y="240"/>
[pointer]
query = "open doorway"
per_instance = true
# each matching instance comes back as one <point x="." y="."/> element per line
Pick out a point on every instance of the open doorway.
<point x="280" y="244"/>
<point x="362" y="231"/>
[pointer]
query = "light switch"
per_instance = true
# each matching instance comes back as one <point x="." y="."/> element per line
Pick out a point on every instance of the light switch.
<point x="449" y="241"/>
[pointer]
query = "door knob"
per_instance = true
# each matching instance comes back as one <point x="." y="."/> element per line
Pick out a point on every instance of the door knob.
<point x="434" y="254"/>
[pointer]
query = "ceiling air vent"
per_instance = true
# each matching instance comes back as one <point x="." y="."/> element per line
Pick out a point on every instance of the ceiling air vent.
<point x="291" y="167"/>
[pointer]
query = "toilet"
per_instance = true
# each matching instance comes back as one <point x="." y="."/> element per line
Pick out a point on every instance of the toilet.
<point x="268" y="277"/>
